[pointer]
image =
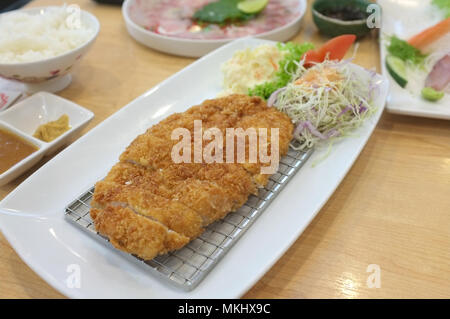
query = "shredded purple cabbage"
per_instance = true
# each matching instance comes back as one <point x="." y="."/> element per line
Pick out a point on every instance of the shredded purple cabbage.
<point x="273" y="97"/>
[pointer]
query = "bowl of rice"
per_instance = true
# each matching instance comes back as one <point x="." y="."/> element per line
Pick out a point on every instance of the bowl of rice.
<point x="40" y="46"/>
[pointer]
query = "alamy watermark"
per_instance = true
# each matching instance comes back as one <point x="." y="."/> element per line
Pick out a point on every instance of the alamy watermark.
<point x="73" y="19"/>
<point x="259" y="149"/>
<point x="374" y="19"/>
<point x="74" y="278"/>
<point x="374" y="279"/>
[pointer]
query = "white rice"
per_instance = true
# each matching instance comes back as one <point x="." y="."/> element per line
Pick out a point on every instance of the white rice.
<point x="26" y="37"/>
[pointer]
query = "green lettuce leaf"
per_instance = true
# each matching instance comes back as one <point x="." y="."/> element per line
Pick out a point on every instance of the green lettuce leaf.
<point x="287" y="68"/>
<point x="221" y="12"/>
<point x="405" y="51"/>
<point x="443" y="5"/>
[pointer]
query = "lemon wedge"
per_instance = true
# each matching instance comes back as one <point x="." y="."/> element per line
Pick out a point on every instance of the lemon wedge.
<point x="252" y="6"/>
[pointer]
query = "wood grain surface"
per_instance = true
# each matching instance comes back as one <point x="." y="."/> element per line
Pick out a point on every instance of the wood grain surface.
<point x="392" y="209"/>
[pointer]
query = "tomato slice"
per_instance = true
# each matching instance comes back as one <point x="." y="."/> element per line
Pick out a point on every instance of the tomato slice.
<point x="311" y="57"/>
<point x="336" y="49"/>
<point x="338" y="46"/>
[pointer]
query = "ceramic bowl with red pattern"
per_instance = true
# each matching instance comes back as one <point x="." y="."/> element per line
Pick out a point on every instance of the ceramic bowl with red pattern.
<point x="51" y="74"/>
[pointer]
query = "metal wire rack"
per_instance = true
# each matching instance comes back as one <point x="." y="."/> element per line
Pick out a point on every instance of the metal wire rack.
<point x="186" y="267"/>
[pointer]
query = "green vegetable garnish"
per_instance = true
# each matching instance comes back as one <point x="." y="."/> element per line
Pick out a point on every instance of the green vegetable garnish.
<point x="287" y="69"/>
<point x="397" y="69"/>
<point x="431" y="94"/>
<point x="405" y="51"/>
<point x="443" y="5"/>
<point x="221" y="12"/>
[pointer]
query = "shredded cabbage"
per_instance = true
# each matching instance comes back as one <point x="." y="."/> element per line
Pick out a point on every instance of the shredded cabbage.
<point x="325" y="102"/>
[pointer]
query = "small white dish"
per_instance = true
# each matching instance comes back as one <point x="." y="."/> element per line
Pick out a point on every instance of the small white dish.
<point x="405" y="19"/>
<point x="7" y="98"/>
<point x="197" y="47"/>
<point x="26" y="163"/>
<point x="26" y="116"/>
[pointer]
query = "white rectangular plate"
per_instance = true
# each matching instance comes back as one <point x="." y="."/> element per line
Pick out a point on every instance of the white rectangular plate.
<point x="405" y="19"/>
<point x="32" y="216"/>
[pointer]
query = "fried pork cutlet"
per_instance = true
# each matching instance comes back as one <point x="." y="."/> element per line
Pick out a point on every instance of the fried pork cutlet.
<point x="148" y="150"/>
<point x="154" y="147"/>
<point x="172" y="214"/>
<point x="221" y="113"/>
<point x="148" y="205"/>
<point x="211" y="190"/>
<point x="269" y="118"/>
<point x="134" y="233"/>
<point x="228" y="110"/>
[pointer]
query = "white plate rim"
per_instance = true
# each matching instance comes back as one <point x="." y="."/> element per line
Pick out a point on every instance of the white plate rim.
<point x="127" y="3"/>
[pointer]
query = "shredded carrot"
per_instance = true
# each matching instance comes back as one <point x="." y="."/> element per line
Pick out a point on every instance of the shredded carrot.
<point x="275" y="66"/>
<point x="430" y="35"/>
<point x="319" y="77"/>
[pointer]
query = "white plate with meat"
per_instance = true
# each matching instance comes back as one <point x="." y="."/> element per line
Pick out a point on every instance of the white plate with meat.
<point x="170" y="26"/>
<point x="405" y="19"/>
<point x="32" y="216"/>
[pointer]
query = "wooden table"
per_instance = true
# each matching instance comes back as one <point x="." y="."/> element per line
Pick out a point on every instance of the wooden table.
<point x="392" y="209"/>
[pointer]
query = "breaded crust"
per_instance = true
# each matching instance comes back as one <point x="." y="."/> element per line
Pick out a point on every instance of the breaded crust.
<point x="148" y="150"/>
<point x="153" y="148"/>
<point x="134" y="233"/>
<point x="171" y="214"/>
<point x="210" y="192"/>
<point x="149" y="205"/>
<point x="268" y="119"/>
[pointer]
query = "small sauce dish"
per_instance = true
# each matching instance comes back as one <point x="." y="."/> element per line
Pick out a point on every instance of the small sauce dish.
<point x="25" y="117"/>
<point x="334" y="18"/>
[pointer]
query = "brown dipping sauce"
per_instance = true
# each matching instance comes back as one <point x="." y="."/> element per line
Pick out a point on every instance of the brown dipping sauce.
<point x="13" y="149"/>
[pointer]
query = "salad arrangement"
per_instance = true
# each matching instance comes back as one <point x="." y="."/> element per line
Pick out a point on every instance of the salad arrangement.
<point x="326" y="101"/>
<point x="318" y="90"/>
<point x="335" y="49"/>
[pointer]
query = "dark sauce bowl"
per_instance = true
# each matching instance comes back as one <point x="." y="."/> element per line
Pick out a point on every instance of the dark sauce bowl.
<point x="334" y="18"/>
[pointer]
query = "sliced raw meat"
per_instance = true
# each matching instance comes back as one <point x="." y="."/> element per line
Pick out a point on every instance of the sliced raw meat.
<point x="439" y="76"/>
